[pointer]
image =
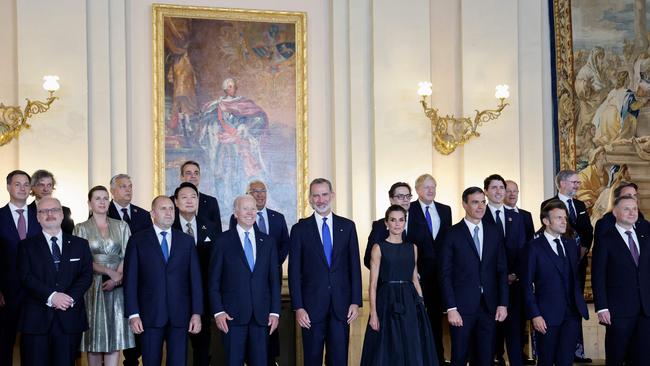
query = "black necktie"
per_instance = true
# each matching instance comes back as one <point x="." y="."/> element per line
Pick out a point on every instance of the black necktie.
<point x="125" y="216"/>
<point x="56" y="253"/>
<point x="572" y="210"/>
<point x="560" y="250"/>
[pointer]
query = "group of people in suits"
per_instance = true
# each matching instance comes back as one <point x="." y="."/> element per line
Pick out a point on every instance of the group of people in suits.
<point x="178" y="273"/>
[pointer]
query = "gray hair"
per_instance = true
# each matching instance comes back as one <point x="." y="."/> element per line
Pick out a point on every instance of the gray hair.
<point x="256" y="181"/>
<point x="235" y="203"/>
<point x="118" y="176"/>
<point x="563" y="175"/>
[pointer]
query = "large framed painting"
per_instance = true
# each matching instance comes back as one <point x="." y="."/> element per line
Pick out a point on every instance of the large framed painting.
<point x="601" y="86"/>
<point x="229" y="91"/>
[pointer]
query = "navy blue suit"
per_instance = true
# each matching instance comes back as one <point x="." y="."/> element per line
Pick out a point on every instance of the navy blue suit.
<point x="140" y="218"/>
<point x="9" y="280"/>
<point x="209" y="209"/>
<point x="624" y="289"/>
<point x="552" y="291"/>
<point x="429" y="265"/>
<point x="165" y="295"/>
<point x="512" y="329"/>
<point x="325" y="292"/>
<point x="206" y="237"/>
<point x="529" y="227"/>
<point x="50" y="336"/>
<point x="247" y="296"/>
<point x="475" y="286"/>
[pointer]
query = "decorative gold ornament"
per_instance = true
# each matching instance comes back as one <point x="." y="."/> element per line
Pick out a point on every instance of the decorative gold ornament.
<point x="449" y="132"/>
<point x="13" y="120"/>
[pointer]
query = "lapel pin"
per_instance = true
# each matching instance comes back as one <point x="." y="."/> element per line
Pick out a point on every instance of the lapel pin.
<point x="135" y="210"/>
<point x="509" y="218"/>
<point x="340" y="230"/>
<point x="203" y="227"/>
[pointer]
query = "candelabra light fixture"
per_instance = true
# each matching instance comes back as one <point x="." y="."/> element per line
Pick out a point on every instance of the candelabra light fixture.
<point x="449" y="132"/>
<point x="13" y="120"/>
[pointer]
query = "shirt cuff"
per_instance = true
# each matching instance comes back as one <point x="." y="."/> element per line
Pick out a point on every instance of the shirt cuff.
<point x="49" y="299"/>
<point x="219" y="313"/>
<point x="134" y="316"/>
<point x="602" y="310"/>
<point x="275" y="315"/>
<point x="450" y="309"/>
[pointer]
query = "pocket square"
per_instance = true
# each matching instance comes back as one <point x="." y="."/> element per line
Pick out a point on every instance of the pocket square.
<point x="207" y="239"/>
<point x="75" y="259"/>
<point x="582" y="213"/>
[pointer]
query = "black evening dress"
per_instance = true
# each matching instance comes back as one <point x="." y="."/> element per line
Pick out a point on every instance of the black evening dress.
<point x="404" y="336"/>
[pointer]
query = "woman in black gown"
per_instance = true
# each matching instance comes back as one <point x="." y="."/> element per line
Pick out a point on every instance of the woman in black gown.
<point x="399" y="332"/>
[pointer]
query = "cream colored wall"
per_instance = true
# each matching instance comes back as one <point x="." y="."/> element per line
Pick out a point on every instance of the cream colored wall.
<point x="366" y="127"/>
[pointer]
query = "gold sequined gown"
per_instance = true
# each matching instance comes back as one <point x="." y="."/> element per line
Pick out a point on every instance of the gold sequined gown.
<point x="109" y="331"/>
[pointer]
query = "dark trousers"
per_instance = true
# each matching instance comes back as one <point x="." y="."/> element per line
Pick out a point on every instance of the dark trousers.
<point x="201" y="343"/>
<point x="331" y="333"/>
<point x="557" y="346"/>
<point x="246" y="343"/>
<point x="474" y="341"/>
<point x="628" y="339"/>
<point x="152" y="344"/>
<point x="131" y="355"/>
<point x="511" y="331"/>
<point x="8" y="329"/>
<point x="433" y="304"/>
<point x="56" y="348"/>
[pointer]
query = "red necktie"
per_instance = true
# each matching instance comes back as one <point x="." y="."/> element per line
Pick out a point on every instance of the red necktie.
<point x="22" y="224"/>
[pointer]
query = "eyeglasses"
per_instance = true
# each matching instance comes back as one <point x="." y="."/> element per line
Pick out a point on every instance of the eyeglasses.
<point x="253" y="191"/>
<point x="49" y="211"/>
<point x="403" y="197"/>
<point x="574" y="182"/>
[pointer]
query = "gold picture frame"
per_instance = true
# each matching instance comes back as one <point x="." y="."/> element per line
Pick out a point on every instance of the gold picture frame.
<point x="195" y="51"/>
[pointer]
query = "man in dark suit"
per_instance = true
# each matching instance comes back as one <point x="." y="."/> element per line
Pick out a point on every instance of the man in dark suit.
<point x="245" y="287"/>
<point x="621" y="285"/>
<point x="208" y="205"/>
<point x="398" y="194"/>
<point x="55" y="270"/>
<point x="121" y="207"/>
<point x="324" y="278"/>
<point x="512" y="227"/>
<point x="510" y="201"/>
<point x="474" y="278"/>
<point x="567" y="183"/>
<point x="138" y="219"/>
<point x="554" y="300"/>
<point x="17" y="222"/>
<point x="162" y="287"/>
<point x="428" y="221"/>
<point x="43" y="185"/>
<point x="274" y="224"/>
<point x="608" y="220"/>
<point x="203" y="234"/>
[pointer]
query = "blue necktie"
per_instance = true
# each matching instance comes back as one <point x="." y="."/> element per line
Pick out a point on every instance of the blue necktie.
<point x="427" y="215"/>
<point x="327" y="242"/>
<point x="572" y="211"/>
<point x="477" y="241"/>
<point x="164" y="246"/>
<point x="261" y="223"/>
<point x="248" y="250"/>
<point x="56" y="253"/>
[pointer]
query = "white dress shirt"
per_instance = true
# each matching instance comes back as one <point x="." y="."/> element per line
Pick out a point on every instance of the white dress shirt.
<point x="622" y="230"/>
<point x="550" y="238"/>
<point x="265" y="214"/>
<point x="471" y="226"/>
<point x="168" y="237"/>
<point x="59" y="243"/>
<point x="319" y="223"/>
<point x="435" y="218"/>
<point x="192" y="224"/>
<point x="514" y="208"/>
<point x="119" y="210"/>
<point x="564" y="199"/>
<point x="502" y="215"/>
<point x="15" y="215"/>
<point x="251" y="235"/>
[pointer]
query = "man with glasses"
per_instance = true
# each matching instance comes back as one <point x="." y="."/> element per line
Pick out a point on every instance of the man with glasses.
<point x="56" y="270"/>
<point x="428" y="223"/>
<point x="398" y="194"/>
<point x="17" y="222"/>
<point x="567" y="184"/>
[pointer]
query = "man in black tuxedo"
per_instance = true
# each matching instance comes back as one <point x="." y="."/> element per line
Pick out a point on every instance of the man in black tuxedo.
<point x="554" y="300"/>
<point x="55" y="269"/>
<point x="245" y="287"/>
<point x="398" y="194"/>
<point x="621" y="285"/>
<point x="203" y="234"/>
<point x="324" y="278"/>
<point x="43" y="185"/>
<point x="208" y="205"/>
<point x="428" y="221"/>
<point x="121" y="207"/>
<point x="512" y="226"/>
<point x="567" y="183"/>
<point x="273" y="223"/>
<point x="510" y="201"/>
<point x="17" y="222"/>
<point x="608" y="220"/>
<point x="474" y="278"/>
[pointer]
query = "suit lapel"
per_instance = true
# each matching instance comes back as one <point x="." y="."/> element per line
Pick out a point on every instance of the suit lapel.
<point x="44" y="249"/>
<point x="623" y="247"/>
<point x="8" y="217"/>
<point x="260" y="249"/>
<point x="317" y="241"/>
<point x="470" y="241"/>
<point x="240" y="247"/>
<point x="337" y="240"/>
<point x="551" y="254"/>
<point x="156" y="246"/>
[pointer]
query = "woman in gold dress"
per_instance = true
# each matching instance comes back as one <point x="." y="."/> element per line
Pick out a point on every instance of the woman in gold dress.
<point x="109" y="331"/>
